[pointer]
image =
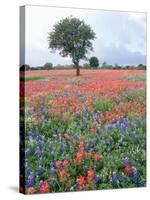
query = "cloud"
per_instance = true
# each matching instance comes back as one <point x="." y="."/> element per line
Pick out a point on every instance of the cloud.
<point x="121" y="36"/>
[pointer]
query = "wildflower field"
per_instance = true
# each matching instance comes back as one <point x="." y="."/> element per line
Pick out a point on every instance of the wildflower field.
<point x="83" y="133"/>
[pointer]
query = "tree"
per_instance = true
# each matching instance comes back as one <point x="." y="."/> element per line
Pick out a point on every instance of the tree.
<point x="94" y="62"/>
<point x="104" y="64"/>
<point x="72" y="37"/>
<point x="48" y="66"/>
<point x="141" y="66"/>
<point x="25" y="67"/>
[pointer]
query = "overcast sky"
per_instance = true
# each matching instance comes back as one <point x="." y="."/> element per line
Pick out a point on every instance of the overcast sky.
<point x="120" y="36"/>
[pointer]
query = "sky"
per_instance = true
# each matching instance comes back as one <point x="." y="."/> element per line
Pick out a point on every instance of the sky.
<point x="120" y="36"/>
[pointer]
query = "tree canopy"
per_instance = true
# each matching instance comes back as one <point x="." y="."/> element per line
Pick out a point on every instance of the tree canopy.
<point x="94" y="62"/>
<point x="72" y="37"/>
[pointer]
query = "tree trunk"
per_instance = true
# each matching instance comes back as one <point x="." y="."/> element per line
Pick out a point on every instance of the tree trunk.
<point x="78" y="70"/>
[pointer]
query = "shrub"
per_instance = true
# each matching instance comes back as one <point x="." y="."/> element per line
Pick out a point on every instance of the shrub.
<point x="94" y="62"/>
<point x="141" y="66"/>
<point x="48" y="66"/>
<point x="25" y="67"/>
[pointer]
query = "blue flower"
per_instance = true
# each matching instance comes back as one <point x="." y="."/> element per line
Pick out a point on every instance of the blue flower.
<point x="29" y="170"/>
<point x="31" y="178"/>
<point x="40" y="170"/>
<point x="39" y="154"/>
<point x="114" y="179"/>
<point x="98" y="129"/>
<point x="111" y="141"/>
<point x="86" y="146"/>
<point x="134" y="175"/>
<point x="122" y="179"/>
<point x="52" y="171"/>
<point x="52" y="164"/>
<point x="126" y="161"/>
<point x="135" y="137"/>
<point x="97" y="179"/>
<point x="62" y="147"/>
<point x="142" y="183"/>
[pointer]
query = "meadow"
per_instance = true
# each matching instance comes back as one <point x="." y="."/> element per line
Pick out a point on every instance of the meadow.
<point x="86" y="132"/>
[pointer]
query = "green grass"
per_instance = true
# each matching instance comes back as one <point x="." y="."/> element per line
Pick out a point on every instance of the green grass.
<point x="32" y="78"/>
<point x="136" y="78"/>
<point x="101" y="105"/>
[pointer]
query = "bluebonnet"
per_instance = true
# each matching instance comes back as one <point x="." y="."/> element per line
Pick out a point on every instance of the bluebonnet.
<point x="52" y="164"/>
<point x="39" y="154"/>
<point x="37" y="134"/>
<point x="114" y="179"/>
<point x="29" y="170"/>
<point x="126" y="161"/>
<point x="135" y="137"/>
<point x="142" y="183"/>
<point x="86" y="146"/>
<point x="37" y="131"/>
<point x="110" y="140"/>
<point x="31" y="178"/>
<point x="27" y="152"/>
<point x="97" y="179"/>
<point x="52" y="171"/>
<point x="134" y="175"/>
<point x="41" y="143"/>
<point x="62" y="147"/>
<point x="40" y="161"/>
<point x="122" y="179"/>
<point x="40" y="170"/>
<point x="98" y="129"/>
<point x="133" y="126"/>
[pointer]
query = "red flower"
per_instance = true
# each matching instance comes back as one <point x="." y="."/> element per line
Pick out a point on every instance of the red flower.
<point x="44" y="187"/>
<point x="91" y="173"/>
<point x="128" y="170"/>
<point x="97" y="156"/>
<point x="65" y="163"/>
<point x="30" y="190"/>
<point x="79" y="158"/>
<point x="90" y="176"/>
<point x="92" y="130"/>
<point x="58" y="164"/>
<point x="81" y="146"/>
<point x="81" y="180"/>
<point x="81" y="183"/>
<point x="63" y="175"/>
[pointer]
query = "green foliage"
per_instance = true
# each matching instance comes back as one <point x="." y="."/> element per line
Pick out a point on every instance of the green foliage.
<point x="25" y="67"/>
<point x="32" y="78"/>
<point x="48" y="66"/>
<point x="137" y="78"/>
<point x="59" y="66"/>
<point x="141" y="66"/>
<point x="94" y="62"/>
<point x="100" y="105"/>
<point x="86" y="66"/>
<point x="71" y="37"/>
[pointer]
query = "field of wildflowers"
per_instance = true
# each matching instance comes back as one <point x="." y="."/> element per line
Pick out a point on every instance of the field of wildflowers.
<point x="83" y="133"/>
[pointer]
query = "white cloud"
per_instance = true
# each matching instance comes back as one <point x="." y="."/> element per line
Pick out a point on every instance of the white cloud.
<point x="121" y="36"/>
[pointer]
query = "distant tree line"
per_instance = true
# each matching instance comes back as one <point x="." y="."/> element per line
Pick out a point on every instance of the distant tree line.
<point x="46" y="66"/>
<point x="92" y="64"/>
